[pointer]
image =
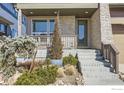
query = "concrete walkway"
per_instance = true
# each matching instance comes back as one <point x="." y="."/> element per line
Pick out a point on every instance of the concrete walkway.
<point x="93" y="68"/>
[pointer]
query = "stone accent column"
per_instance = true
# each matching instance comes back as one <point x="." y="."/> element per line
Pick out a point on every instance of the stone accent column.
<point x="19" y="22"/>
<point x="105" y="23"/>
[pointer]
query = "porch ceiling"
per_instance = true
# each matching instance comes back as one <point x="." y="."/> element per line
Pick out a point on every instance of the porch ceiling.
<point x="80" y="12"/>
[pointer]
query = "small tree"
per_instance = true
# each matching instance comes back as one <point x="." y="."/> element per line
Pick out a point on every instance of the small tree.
<point x="56" y="47"/>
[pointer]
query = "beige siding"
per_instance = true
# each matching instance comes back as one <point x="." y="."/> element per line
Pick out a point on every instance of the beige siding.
<point x="118" y="35"/>
<point x="117" y="20"/>
<point x="95" y="30"/>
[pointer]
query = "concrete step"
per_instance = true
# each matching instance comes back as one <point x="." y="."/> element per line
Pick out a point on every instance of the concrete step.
<point x="94" y="68"/>
<point x="92" y="64"/>
<point x="90" y="57"/>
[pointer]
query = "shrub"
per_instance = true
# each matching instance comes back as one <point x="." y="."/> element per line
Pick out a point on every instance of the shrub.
<point x="70" y="60"/>
<point x="28" y="79"/>
<point x="47" y="61"/>
<point x="56" y="47"/>
<point x="40" y="76"/>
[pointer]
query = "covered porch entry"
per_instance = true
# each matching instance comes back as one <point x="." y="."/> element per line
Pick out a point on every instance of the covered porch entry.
<point x="76" y="23"/>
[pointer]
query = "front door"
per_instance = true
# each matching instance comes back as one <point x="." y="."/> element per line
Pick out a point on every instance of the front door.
<point x="82" y="34"/>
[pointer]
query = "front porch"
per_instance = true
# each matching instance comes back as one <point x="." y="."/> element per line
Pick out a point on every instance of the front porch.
<point x="78" y="25"/>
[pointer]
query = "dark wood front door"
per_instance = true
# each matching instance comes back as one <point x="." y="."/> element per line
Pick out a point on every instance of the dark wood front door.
<point x="82" y="34"/>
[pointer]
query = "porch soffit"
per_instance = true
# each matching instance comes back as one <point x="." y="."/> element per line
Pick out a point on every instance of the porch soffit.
<point x="65" y="9"/>
<point x="87" y="12"/>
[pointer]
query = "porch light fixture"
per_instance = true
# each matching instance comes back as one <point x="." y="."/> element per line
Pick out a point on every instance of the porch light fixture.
<point x="55" y="12"/>
<point x="31" y="12"/>
<point x="86" y="12"/>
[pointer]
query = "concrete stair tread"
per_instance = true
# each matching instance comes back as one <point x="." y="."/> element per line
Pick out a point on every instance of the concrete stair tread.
<point x="94" y="67"/>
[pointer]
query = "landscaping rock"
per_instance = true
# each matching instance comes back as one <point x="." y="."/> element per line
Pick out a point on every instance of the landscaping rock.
<point x="1" y="79"/>
<point x="59" y="82"/>
<point x="60" y="72"/>
<point x="70" y="70"/>
<point x="121" y="76"/>
<point x="66" y="66"/>
<point x="82" y="81"/>
<point x="77" y="79"/>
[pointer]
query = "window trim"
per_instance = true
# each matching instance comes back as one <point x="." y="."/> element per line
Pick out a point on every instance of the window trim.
<point x="48" y="26"/>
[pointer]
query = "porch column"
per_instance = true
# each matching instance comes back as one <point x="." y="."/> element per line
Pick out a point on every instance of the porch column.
<point x="105" y="20"/>
<point x="48" y="33"/>
<point x="19" y="22"/>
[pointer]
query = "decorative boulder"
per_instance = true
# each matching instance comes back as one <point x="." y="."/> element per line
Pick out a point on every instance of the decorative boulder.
<point x="70" y="70"/>
<point x="60" y="72"/>
<point x="121" y="76"/>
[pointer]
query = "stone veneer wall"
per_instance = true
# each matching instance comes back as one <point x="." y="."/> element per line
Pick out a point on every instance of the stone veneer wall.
<point x="67" y="25"/>
<point x="106" y="28"/>
<point x="95" y="30"/>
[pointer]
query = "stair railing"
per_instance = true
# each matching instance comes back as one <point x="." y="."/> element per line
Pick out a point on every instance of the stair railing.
<point x="111" y="53"/>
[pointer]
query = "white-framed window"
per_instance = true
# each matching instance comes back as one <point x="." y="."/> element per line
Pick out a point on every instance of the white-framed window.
<point x="42" y="26"/>
<point x="3" y="27"/>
